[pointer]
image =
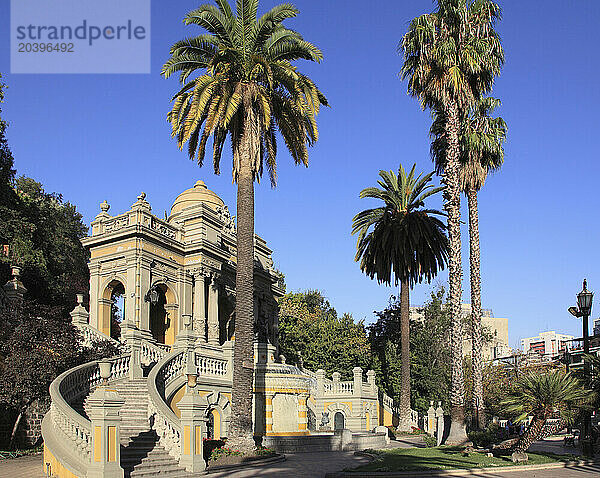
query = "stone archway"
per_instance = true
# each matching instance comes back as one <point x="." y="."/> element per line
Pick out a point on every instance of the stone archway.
<point x="112" y="308"/>
<point x="339" y="421"/>
<point x="164" y="315"/>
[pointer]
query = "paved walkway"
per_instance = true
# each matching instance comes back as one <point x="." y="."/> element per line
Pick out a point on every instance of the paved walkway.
<point x="24" y="467"/>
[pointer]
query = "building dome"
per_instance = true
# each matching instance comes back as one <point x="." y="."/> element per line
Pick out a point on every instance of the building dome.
<point x="194" y="196"/>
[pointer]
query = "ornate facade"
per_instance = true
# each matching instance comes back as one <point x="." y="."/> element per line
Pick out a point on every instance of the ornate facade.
<point x="171" y="385"/>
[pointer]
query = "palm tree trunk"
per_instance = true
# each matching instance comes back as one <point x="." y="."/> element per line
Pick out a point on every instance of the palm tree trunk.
<point x="241" y="429"/>
<point x="474" y="257"/>
<point x="458" y="433"/>
<point x="532" y="435"/>
<point x="405" y="423"/>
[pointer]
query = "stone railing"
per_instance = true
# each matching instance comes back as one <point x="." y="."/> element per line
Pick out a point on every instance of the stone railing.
<point x="210" y="366"/>
<point x="165" y="422"/>
<point x="152" y="353"/>
<point x="91" y="335"/>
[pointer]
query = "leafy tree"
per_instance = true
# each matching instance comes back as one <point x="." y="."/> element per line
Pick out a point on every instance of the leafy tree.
<point x="44" y="236"/>
<point x="7" y="173"/>
<point x="248" y="91"/>
<point x="37" y="343"/>
<point x="554" y="394"/>
<point x="481" y="152"/>
<point x="429" y="351"/>
<point x="311" y="330"/>
<point x="403" y="238"/>
<point x="451" y="57"/>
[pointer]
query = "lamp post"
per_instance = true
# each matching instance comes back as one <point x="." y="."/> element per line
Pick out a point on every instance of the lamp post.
<point x="583" y="309"/>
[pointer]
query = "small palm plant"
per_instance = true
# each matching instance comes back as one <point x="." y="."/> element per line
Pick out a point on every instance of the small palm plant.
<point x="554" y="394"/>
<point x="404" y="239"/>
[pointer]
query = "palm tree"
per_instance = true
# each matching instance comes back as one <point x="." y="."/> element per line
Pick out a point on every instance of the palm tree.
<point x="451" y="57"/>
<point x="247" y="90"/>
<point x="403" y="238"/>
<point x="481" y="152"/>
<point x="553" y="394"/>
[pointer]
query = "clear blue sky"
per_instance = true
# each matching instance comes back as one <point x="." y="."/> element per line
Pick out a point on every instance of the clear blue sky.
<point x="96" y="137"/>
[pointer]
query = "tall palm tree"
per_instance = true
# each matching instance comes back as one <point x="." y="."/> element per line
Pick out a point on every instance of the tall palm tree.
<point x="553" y="394"/>
<point x="247" y="90"/>
<point x="451" y="57"/>
<point x="481" y="153"/>
<point x="404" y="239"/>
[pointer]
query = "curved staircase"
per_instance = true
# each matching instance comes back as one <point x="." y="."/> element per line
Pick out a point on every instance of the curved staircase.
<point x="141" y="454"/>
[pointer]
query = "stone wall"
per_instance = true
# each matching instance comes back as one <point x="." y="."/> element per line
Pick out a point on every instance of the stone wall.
<point x="30" y="428"/>
<point x="340" y="440"/>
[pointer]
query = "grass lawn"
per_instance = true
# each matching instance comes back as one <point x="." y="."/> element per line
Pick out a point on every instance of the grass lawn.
<point x="412" y="459"/>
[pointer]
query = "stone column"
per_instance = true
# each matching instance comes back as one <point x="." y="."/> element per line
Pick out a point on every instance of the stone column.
<point x="357" y="389"/>
<point x="439" y="418"/>
<point x="320" y="383"/>
<point x="336" y="382"/>
<point x="371" y="381"/>
<point x="431" y="419"/>
<point x="193" y="429"/>
<point x="104" y="406"/>
<point x="269" y="413"/>
<point x="199" y="310"/>
<point x="302" y="413"/>
<point x="213" y="313"/>
<point x="94" y="294"/>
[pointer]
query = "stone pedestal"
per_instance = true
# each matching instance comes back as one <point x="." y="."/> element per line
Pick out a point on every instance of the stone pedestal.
<point x="193" y="430"/>
<point x="79" y="316"/>
<point x="430" y="428"/>
<point x="15" y="290"/>
<point x="104" y="405"/>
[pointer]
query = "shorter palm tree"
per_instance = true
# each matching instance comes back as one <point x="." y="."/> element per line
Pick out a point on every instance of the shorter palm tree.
<point x="553" y="394"/>
<point x="403" y="239"/>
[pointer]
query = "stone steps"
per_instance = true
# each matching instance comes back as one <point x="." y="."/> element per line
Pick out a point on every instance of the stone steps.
<point x="141" y="454"/>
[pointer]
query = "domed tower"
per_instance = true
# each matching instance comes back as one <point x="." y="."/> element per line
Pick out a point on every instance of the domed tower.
<point x="176" y="272"/>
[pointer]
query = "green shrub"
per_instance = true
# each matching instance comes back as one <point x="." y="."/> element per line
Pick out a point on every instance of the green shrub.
<point x="220" y="452"/>
<point x="430" y="441"/>
<point x="484" y="438"/>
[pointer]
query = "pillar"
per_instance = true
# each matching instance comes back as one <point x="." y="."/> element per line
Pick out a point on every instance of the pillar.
<point x="371" y="379"/>
<point x="193" y="429"/>
<point x="336" y="382"/>
<point x="439" y="419"/>
<point x="320" y="383"/>
<point x="431" y="419"/>
<point x="357" y="389"/>
<point x="213" y="313"/>
<point x="199" y="308"/>
<point x="302" y="413"/>
<point x="94" y="294"/>
<point x="104" y="406"/>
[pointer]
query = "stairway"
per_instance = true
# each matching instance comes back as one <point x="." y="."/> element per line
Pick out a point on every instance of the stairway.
<point x="141" y="455"/>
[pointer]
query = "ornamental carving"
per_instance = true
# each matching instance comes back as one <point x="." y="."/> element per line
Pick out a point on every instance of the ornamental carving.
<point x="163" y="228"/>
<point x="227" y="220"/>
<point x="116" y="224"/>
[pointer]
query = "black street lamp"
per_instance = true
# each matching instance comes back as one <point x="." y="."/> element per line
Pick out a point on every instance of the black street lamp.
<point x="584" y="309"/>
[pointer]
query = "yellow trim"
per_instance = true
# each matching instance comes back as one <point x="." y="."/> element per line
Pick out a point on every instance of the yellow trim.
<point x="283" y="434"/>
<point x="198" y="440"/>
<point x="302" y="414"/>
<point x="112" y="444"/>
<point x="57" y="469"/>
<point x="268" y="401"/>
<point x="301" y="426"/>
<point x="186" y="439"/>
<point x="216" y="424"/>
<point x="268" y="413"/>
<point x="269" y="426"/>
<point x="282" y="390"/>
<point x="97" y="444"/>
<point x="349" y="404"/>
<point x="368" y="420"/>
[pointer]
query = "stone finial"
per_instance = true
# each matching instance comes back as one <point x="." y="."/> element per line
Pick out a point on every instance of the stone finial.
<point x="336" y="376"/>
<point x="104" y="206"/>
<point x="141" y="202"/>
<point x="282" y="359"/>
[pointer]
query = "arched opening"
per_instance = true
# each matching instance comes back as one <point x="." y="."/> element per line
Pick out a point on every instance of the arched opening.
<point x="163" y="314"/>
<point x="214" y="424"/>
<point x="338" y="421"/>
<point x="112" y="309"/>
<point x="158" y="314"/>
